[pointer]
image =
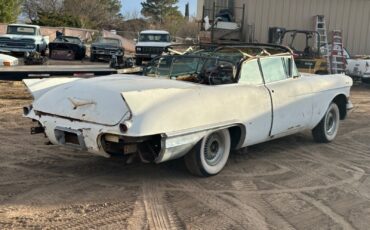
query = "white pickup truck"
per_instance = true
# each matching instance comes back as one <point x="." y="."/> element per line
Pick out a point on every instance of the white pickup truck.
<point x="23" y="38"/>
<point x="359" y="68"/>
<point x="150" y="44"/>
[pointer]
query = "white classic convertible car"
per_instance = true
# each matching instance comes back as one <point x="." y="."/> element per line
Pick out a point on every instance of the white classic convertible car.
<point x="221" y="106"/>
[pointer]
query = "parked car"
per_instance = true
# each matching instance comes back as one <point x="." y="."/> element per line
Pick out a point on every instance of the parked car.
<point x="218" y="108"/>
<point x="24" y="38"/>
<point x="67" y="48"/>
<point x="150" y="44"/>
<point x="105" y="47"/>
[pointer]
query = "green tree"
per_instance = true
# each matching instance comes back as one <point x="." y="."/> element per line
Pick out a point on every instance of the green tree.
<point x="173" y="20"/>
<point x="95" y="14"/>
<point x="159" y="10"/>
<point x="9" y="10"/>
<point x="57" y="19"/>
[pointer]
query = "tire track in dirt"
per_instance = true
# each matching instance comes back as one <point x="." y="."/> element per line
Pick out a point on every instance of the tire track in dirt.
<point x="138" y="219"/>
<point x="239" y="215"/>
<point x="322" y="207"/>
<point x="277" y="221"/>
<point x="281" y="170"/>
<point x="77" y="216"/>
<point x="159" y="214"/>
<point x="350" y="180"/>
<point x="352" y="168"/>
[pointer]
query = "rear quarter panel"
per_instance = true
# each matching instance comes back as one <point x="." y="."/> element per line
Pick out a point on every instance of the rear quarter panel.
<point x="184" y="110"/>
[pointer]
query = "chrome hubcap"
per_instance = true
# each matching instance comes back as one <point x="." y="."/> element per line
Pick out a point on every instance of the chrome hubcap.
<point x="214" y="149"/>
<point x="331" y="122"/>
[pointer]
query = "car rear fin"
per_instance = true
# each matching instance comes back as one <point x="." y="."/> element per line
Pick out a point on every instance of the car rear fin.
<point x="38" y="87"/>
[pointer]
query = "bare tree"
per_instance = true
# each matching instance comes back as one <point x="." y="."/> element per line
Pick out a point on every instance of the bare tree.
<point x="32" y="7"/>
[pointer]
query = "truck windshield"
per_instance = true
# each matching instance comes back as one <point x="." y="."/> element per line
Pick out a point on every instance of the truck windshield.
<point x="110" y="41"/>
<point x="154" y="38"/>
<point x="21" y="30"/>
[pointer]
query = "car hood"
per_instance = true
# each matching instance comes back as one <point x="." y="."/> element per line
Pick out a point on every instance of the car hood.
<point x="16" y="37"/>
<point x="103" y="100"/>
<point x="104" y="46"/>
<point x="153" y="44"/>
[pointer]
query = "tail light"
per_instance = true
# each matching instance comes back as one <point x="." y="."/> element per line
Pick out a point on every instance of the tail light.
<point x="124" y="126"/>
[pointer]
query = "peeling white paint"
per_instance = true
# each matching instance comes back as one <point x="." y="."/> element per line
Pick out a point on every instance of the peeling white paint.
<point x="181" y="112"/>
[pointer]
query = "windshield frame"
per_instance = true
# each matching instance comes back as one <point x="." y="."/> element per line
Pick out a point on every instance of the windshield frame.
<point x="103" y="40"/>
<point x="200" y="68"/>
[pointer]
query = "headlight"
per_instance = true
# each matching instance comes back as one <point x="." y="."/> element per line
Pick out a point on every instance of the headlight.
<point x="138" y="48"/>
<point x="2" y="45"/>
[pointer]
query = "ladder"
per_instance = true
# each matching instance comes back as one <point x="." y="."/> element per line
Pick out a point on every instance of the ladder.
<point x="338" y="61"/>
<point x="322" y="41"/>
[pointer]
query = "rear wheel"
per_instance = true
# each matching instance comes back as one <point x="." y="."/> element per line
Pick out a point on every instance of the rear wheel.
<point x="327" y="129"/>
<point x="210" y="155"/>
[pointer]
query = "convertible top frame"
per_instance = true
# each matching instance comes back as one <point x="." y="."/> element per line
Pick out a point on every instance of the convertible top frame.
<point x="263" y="47"/>
<point x="244" y="51"/>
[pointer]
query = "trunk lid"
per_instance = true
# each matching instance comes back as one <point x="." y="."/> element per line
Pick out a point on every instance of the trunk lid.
<point x="99" y="100"/>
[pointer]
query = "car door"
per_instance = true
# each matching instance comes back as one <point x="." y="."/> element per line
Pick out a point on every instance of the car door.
<point x="291" y="95"/>
<point x="256" y="102"/>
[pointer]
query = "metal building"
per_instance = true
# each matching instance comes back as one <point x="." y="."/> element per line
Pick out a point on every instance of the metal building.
<point x="352" y="17"/>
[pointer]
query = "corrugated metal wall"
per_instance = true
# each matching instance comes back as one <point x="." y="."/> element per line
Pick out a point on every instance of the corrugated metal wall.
<point x="350" y="16"/>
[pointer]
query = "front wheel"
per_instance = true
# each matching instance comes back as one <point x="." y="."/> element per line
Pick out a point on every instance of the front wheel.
<point x="139" y="61"/>
<point x="92" y="58"/>
<point x="327" y="129"/>
<point x="210" y="155"/>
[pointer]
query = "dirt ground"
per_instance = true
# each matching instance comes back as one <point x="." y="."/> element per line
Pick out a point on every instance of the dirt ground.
<point x="290" y="183"/>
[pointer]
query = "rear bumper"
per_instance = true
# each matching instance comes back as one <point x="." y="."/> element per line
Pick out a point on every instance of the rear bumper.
<point x="87" y="134"/>
<point x="89" y="137"/>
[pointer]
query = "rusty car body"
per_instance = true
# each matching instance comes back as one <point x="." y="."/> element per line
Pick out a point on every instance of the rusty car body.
<point x="105" y="47"/>
<point x="219" y="107"/>
<point x="67" y="48"/>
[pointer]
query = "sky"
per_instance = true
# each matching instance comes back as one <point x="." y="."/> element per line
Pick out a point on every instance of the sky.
<point x="129" y="6"/>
